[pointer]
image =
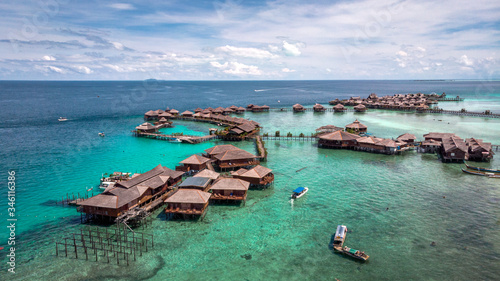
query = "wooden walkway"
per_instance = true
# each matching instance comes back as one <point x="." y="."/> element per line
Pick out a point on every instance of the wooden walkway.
<point x="297" y="138"/>
<point x="182" y="138"/>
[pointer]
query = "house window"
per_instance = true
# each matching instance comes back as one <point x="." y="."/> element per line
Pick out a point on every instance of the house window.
<point x="452" y="154"/>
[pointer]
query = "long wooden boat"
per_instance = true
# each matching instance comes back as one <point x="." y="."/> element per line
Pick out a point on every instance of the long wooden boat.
<point x="481" y="173"/>
<point x="352" y="253"/>
<point x="481" y="169"/>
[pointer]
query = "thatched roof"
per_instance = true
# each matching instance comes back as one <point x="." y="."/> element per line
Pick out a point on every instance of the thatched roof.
<point x="187" y="112"/>
<point x="339" y="136"/>
<point x="257" y="172"/>
<point x="297" y="106"/>
<point x="356" y="125"/>
<point x="174" y="111"/>
<point x="145" y="126"/>
<point x="195" y="160"/>
<point x="230" y="184"/>
<point x="208" y="174"/>
<point x="318" y="106"/>
<point x="339" y="106"/>
<point x="240" y="109"/>
<point x="238" y="172"/>
<point x="234" y="155"/>
<point x="151" y="113"/>
<point x="198" y="110"/>
<point x="151" y="176"/>
<point x="265" y="107"/>
<point x="220" y="149"/>
<point x="192" y="196"/>
<point x="478" y="145"/>
<point x="406" y="137"/>
<point x="439" y="136"/>
<point x="165" y="114"/>
<point x="246" y="127"/>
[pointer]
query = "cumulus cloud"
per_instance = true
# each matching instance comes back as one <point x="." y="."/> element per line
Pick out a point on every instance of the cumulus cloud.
<point x="84" y="69"/>
<point x="466" y="61"/>
<point x="287" y="70"/>
<point x="237" y="68"/>
<point x="48" y="58"/>
<point x="291" y="49"/>
<point x="55" y="69"/>
<point x="245" y="52"/>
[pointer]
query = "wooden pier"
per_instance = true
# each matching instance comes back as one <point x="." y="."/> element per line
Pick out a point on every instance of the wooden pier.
<point x="103" y="245"/>
<point x="261" y="150"/>
<point x="182" y="138"/>
<point x="294" y="138"/>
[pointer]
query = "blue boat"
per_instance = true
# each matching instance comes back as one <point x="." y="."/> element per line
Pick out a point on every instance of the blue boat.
<point x="299" y="192"/>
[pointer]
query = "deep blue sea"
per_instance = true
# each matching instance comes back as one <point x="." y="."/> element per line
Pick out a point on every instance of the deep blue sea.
<point x="395" y="206"/>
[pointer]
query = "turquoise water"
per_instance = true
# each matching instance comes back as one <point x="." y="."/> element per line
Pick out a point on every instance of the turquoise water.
<point x="427" y="201"/>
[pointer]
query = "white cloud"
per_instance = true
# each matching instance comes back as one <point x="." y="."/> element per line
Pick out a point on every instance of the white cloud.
<point x="117" y="45"/>
<point x="245" y="52"/>
<point x="291" y="49"/>
<point x="236" y="68"/>
<point x="287" y="70"/>
<point x="84" y="69"/>
<point x="55" y="69"/>
<point x="48" y="58"/>
<point x="122" y="6"/>
<point x="466" y="61"/>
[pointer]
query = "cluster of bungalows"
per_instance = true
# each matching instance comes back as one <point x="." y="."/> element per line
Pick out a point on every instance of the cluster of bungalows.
<point x="418" y="102"/>
<point x="258" y="108"/>
<point x="194" y="194"/>
<point x="141" y="191"/>
<point x="454" y="149"/>
<point x="352" y="138"/>
<point x="238" y="128"/>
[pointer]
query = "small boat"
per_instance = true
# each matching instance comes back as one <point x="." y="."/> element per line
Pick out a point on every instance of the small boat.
<point x="101" y="134"/>
<point x="481" y="169"/>
<point x="354" y="253"/>
<point x="106" y="184"/>
<point x="175" y="140"/>
<point x="61" y="119"/>
<point x="481" y="173"/>
<point x="299" y="192"/>
<point x="339" y="238"/>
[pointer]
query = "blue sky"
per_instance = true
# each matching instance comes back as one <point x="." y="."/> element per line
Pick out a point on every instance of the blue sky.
<point x="249" y="40"/>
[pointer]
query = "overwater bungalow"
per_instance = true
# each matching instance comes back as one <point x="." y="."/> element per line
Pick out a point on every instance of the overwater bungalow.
<point x="150" y="115"/>
<point x="336" y="101"/>
<point x="163" y="120"/>
<point x="240" y="110"/>
<point x="233" y="159"/>
<point x="233" y="107"/>
<point x="229" y="189"/>
<point x="218" y="110"/>
<point x="200" y="183"/>
<point x="407" y="138"/>
<point x="227" y="111"/>
<point x="339" y="108"/>
<point x="146" y="128"/>
<point x="356" y="127"/>
<point x="174" y="112"/>
<point x="439" y="136"/>
<point x="319" y="108"/>
<point x="166" y="115"/>
<point x="218" y="149"/>
<point x="265" y="108"/>
<point x="298" y="108"/>
<point x="479" y="150"/>
<point x="241" y="131"/>
<point x="377" y="145"/>
<point x="430" y="146"/>
<point x="338" y="139"/>
<point x="193" y="163"/>
<point x="256" y="108"/>
<point x="208" y="174"/>
<point x="190" y="203"/>
<point x="258" y="176"/>
<point x="250" y="106"/>
<point x="454" y="149"/>
<point x="140" y="191"/>
<point x="187" y="113"/>
<point x="198" y="110"/>
<point x="360" y="108"/>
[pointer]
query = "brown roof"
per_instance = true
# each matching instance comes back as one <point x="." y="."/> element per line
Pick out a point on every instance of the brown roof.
<point x="230" y="184"/>
<point x="329" y="128"/>
<point x="257" y="172"/>
<point x="439" y="136"/>
<point x="220" y="149"/>
<point x="318" y="106"/>
<point x="144" y="178"/>
<point x="356" y="125"/>
<point x="246" y="127"/>
<point x="187" y="112"/>
<point x="298" y="106"/>
<point x="265" y="107"/>
<point x="234" y="155"/>
<point x="189" y="196"/>
<point x="478" y="145"/>
<point x="452" y="143"/>
<point x="239" y="172"/>
<point x="174" y="111"/>
<point x="145" y="126"/>
<point x="208" y="174"/>
<point x="339" y="106"/>
<point x="240" y="108"/>
<point x="406" y="137"/>
<point x="195" y="160"/>
<point x="339" y="136"/>
<point x="198" y="110"/>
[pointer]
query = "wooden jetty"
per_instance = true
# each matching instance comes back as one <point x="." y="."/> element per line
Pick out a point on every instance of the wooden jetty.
<point x="105" y="245"/>
<point x="182" y="138"/>
<point x="293" y="138"/>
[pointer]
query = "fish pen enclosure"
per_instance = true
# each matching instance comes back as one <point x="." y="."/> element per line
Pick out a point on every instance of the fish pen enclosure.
<point x="102" y="245"/>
